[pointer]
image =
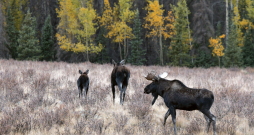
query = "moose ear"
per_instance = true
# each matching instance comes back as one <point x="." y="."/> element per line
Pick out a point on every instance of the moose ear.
<point x="113" y="62"/>
<point x="87" y="71"/>
<point x="122" y="62"/>
<point x="163" y="75"/>
<point x="80" y="71"/>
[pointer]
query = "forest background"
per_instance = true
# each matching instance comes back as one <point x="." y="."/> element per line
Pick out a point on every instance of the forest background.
<point x="192" y="33"/>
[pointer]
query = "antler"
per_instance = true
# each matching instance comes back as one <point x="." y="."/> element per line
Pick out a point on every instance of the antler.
<point x="151" y="76"/>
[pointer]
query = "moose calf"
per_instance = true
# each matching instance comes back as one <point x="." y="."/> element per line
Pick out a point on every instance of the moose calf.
<point x="120" y="77"/>
<point x="83" y="82"/>
<point x="177" y="96"/>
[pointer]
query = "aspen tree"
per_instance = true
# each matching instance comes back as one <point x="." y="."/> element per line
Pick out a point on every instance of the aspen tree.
<point x="155" y="22"/>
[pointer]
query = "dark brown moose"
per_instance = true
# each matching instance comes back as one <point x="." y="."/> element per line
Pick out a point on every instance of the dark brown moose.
<point x="120" y="77"/>
<point x="177" y="96"/>
<point x="83" y="82"/>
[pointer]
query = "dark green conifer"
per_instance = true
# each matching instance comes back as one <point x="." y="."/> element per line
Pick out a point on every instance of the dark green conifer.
<point x="248" y="49"/>
<point x="232" y="56"/>
<point x="47" y="44"/>
<point x="12" y="34"/>
<point x="179" y="46"/>
<point x="203" y="59"/>
<point x="137" y="52"/>
<point x="102" y="57"/>
<point x="28" y="48"/>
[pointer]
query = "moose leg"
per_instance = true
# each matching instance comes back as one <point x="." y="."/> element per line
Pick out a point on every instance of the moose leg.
<point x="212" y="119"/>
<point x="87" y="87"/>
<point x="208" y="121"/>
<point x="155" y="97"/>
<point x="121" y="97"/>
<point x="124" y="89"/>
<point x="166" y="116"/>
<point x="121" y="92"/>
<point x="86" y="91"/>
<point x="113" y="91"/>
<point x="173" y="114"/>
<point x="80" y="91"/>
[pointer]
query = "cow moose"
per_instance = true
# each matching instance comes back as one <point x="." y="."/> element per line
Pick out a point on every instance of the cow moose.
<point x="177" y="96"/>
<point x="120" y="77"/>
<point x="83" y="82"/>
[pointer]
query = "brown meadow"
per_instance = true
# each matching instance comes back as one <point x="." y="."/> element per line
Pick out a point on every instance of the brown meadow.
<point x="42" y="98"/>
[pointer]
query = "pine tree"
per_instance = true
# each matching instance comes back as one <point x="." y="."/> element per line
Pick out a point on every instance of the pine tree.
<point x="203" y="59"/>
<point x="102" y="57"/>
<point x="47" y="44"/>
<point x="29" y="48"/>
<point x="12" y="34"/>
<point x="248" y="49"/>
<point x="136" y="51"/>
<point x="16" y="11"/>
<point x="233" y="56"/>
<point x="180" y="46"/>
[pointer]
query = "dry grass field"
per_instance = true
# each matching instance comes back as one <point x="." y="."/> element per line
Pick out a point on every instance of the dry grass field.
<point x="42" y="98"/>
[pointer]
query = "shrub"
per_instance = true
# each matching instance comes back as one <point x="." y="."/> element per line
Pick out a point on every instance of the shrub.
<point x="121" y="121"/>
<point x="140" y="105"/>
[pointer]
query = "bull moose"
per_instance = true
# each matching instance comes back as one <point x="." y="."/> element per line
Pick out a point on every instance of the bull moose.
<point x="177" y="96"/>
<point x="83" y="82"/>
<point x="120" y="77"/>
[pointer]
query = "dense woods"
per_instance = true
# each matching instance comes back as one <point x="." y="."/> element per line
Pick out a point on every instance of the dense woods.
<point x="193" y="33"/>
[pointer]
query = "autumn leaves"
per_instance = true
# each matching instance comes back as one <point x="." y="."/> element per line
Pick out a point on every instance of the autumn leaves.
<point x="76" y="27"/>
<point x="79" y="22"/>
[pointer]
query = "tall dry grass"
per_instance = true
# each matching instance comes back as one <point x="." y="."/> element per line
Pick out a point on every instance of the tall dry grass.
<point x="42" y="98"/>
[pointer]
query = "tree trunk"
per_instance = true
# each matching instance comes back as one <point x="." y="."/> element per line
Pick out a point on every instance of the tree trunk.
<point x="189" y="35"/>
<point x="226" y="23"/>
<point x="124" y="45"/>
<point x="219" y="60"/>
<point x="161" y="53"/>
<point x="87" y="45"/>
<point x="127" y="49"/>
<point x="237" y="8"/>
<point x="120" y="50"/>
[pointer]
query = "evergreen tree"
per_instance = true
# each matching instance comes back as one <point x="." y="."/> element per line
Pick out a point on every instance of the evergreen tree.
<point x="28" y="48"/>
<point x="233" y="56"/>
<point x="218" y="31"/>
<point x="12" y="34"/>
<point x="102" y="57"/>
<point x="47" y="44"/>
<point x="180" y="46"/>
<point x="136" y="51"/>
<point x="203" y="59"/>
<point x="248" y="49"/>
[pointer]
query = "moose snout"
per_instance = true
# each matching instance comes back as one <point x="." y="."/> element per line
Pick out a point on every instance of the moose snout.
<point x="146" y="91"/>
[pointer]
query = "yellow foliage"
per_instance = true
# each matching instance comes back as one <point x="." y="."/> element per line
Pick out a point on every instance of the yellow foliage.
<point x="68" y="17"/>
<point x="245" y="24"/>
<point x="154" y="21"/>
<point x="168" y="29"/>
<point x="64" y="42"/>
<point x="250" y="8"/>
<point x="217" y="46"/>
<point x="107" y="16"/>
<point x="126" y="15"/>
<point x="118" y="19"/>
<point x="236" y="21"/>
<point x="222" y="36"/>
<point x="118" y="30"/>
<point x="76" y="21"/>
